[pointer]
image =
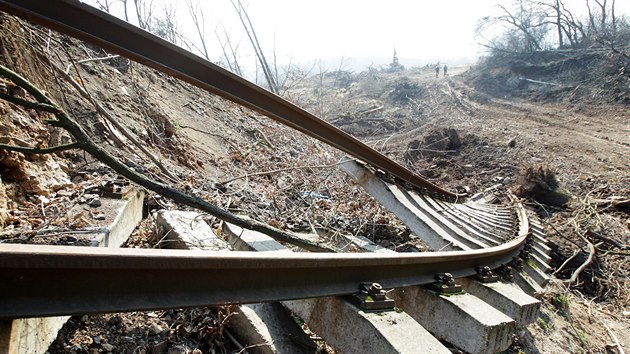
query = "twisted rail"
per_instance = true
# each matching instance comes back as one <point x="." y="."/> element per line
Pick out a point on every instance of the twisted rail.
<point x="58" y="280"/>
<point x="55" y="280"/>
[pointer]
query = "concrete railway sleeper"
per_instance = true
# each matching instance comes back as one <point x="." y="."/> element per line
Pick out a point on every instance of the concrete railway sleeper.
<point x="461" y="216"/>
<point x="481" y="320"/>
<point x="426" y="206"/>
<point x="471" y="226"/>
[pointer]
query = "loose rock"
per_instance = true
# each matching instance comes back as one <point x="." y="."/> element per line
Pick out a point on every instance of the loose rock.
<point x="95" y="203"/>
<point x="107" y="347"/>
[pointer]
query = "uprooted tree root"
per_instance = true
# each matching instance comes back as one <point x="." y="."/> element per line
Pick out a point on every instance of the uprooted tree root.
<point x="587" y="234"/>
<point x="539" y="184"/>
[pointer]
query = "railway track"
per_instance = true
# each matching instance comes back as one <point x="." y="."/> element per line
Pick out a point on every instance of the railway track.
<point x="466" y="233"/>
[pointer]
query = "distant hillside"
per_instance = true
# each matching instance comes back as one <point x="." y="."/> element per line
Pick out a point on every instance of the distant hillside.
<point x="359" y="64"/>
<point x="593" y="75"/>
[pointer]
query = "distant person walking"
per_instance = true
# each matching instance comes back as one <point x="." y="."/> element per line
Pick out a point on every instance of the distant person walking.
<point x="437" y="71"/>
<point x="445" y="70"/>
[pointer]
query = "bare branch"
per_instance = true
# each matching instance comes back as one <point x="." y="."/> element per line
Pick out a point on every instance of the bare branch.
<point x="144" y="13"/>
<point x="48" y="150"/>
<point x="253" y="38"/>
<point x="197" y="16"/>
<point x="106" y="5"/>
<point x="231" y="57"/>
<point x="28" y="104"/>
<point x="608" y="240"/>
<point x="92" y="59"/>
<point x="589" y="259"/>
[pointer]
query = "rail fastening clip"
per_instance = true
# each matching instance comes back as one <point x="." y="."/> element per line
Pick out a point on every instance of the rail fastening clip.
<point x="485" y="275"/>
<point x="372" y="297"/>
<point x="445" y="284"/>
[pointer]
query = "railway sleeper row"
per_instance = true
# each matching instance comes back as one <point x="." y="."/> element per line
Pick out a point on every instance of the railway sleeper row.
<point x="480" y="320"/>
<point x="478" y="222"/>
<point x="473" y="224"/>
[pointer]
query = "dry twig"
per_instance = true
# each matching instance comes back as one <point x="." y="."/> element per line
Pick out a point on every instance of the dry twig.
<point x="608" y="240"/>
<point x="89" y="60"/>
<point x="247" y="175"/>
<point x="589" y="259"/>
<point x="614" y="338"/>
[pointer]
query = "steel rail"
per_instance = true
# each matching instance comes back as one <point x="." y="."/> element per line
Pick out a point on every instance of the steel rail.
<point x="57" y="280"/>
<point x="92" y="25"/>
<point x="60" y="280"/>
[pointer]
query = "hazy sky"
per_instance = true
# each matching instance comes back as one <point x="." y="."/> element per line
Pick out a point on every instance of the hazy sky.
<point x="368" y="28"/>
<point x="331" y="29"/>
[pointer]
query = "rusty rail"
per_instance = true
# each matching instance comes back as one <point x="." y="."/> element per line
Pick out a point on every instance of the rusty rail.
<point x="59" y="280"/>
<point x="91" y="25"/>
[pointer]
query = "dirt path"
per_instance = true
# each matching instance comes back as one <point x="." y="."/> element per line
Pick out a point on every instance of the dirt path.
<point x="575" y="139"/>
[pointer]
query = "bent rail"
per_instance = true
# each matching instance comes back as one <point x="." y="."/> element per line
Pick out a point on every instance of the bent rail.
<point x="91" y="25"/>
<point x="60" y="280"/>
<point x="55" y="280"/>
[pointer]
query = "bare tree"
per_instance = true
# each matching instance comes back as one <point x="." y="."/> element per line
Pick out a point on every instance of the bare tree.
<point x="253" y="38"/>
<point x="526" y="28"/>
<point x="568" y="26"/>
<point x="573" y="27"/>
<point x="197" y="16"/>
<point x="106" y="5"/>
<point x="321" y="90"/>
<point x="125" y="10"/>
<point x="144" y="13"/>
<point x="230" y="57"/>
<point x="293" y="76"/>
<point x="529" y="21"/>
<point x="602" y="19"/>
<point x="556" y="7"/>
<point x="530" y="24"/>
<point x="166" y="26"/>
